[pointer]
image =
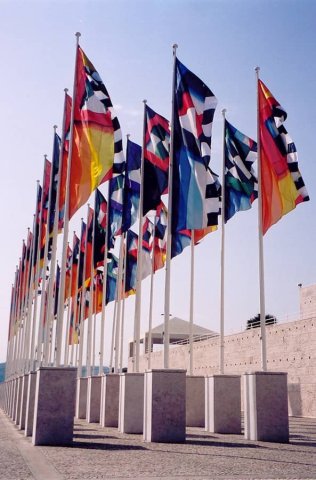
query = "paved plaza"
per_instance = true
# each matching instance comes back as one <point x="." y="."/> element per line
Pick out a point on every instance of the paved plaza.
<point x="99" y="453"/>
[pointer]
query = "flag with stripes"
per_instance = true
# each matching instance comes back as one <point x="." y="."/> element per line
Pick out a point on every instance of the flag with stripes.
<point x="131" y="191"/>
<point x="282" y="185"/>
<point x="196" y="189"/>
<point x="100" y="225"/>
<point x="241" y="184"/>
<point x="156" y="159"/>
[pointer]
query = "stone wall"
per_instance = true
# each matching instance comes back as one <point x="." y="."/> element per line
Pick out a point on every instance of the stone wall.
<point x="291" y="348"/>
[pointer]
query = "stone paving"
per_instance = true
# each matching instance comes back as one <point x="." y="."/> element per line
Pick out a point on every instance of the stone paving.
<point x="103" y="453"/>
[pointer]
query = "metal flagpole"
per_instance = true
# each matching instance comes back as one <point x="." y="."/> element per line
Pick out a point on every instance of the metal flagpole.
<point x="91" y="300"/>
<point x="151" y="297"/>
<point x="123" y="306"/>
<point x="113" y="335"/>
<point x="119" y="306"/>
<point x="60" y="311"/>
<point x="50" y="301"/>
<point x="67" y="295"/>
<point x="222" y="302"/>
<point x="105" y="272"/>
<point x="169" y="222"/>
<point x="191" y="302"/>
<point x="261" y="262"/>
<point x="138" y="297"/>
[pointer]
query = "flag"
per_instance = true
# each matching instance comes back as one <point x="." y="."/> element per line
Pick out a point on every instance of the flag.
<point x="44" y="206"/>
<point x="100" y="225"/>
<point x="196" y="189"/>
<point x="68" y="273"/>
<point x="111" y="279"/>
<point x="37" y="224"/>
<point x="88" y="249"/>
<point x="82" y="253"/>
<point x="54" y="183"/>
<point x="74" y="264"/>
<point x="156" y="159"/>
<point x="56" y="290"/>
<point x="160" y="242"/>
<point x="97" y="138"/>
<point x="282" y="185"/>
<point x="131" y="190"/>
<point x="131" y="262"/>
<point x="241" y="184"/>
<point x="64" y="161"/>
<point x="115" y="209"/>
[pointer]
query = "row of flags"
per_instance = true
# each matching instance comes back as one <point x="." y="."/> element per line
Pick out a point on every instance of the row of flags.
<point x="90" y="153"/>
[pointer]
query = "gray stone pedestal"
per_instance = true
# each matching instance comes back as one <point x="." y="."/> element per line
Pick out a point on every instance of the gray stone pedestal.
<point x="13" y="398"/>
<point x="18" y="400"/>
<point x="81" y="397"/>
<point x="110" y="400"/>
<point x="54" y="406"/>
<point x="223" y="404"/>
<point x="195" y="401"/>
<point x="164" y="406"/>
<point x="93" y="399"/>
<point x="131" y="403"/>
<point x="30" y="402"/>
<point x="25" y="382"/>
<point x="266" y="406"/>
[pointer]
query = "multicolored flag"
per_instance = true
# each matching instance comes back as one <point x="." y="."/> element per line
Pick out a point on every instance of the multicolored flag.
<point x="64" y="162"/>
<point x="282" y="185"/>
<point x="156" y="159"/>
<point x="74" y="264"/>
<point x="241" y="184"/>
<point x="68" y="273"/>
<point x="88" y="250"/>
<point x="100" y="226"/>
<point x="56" y="290"/>
<point x="196" y="189"/>
<point x="44" y="207"/>
<point x="115" y="208"/>
<point x="82" y="253"/>
<point x="111" y="278"/>
<point x="131" y="191"/>
<point x="54" y="183"/>
<point x="160" y="242"/>
<point x="97" y="139"/>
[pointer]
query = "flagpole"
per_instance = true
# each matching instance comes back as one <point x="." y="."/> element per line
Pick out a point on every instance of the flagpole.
<point x="68" y="296"/>
<point x="138" y="297"/>
<point x="82" y="302"/>
<point x="123" y="306"/>
<point x="260" y="230"/>
<point x="60" y="311"/>
<point x="105" y="273"/>
<point x="151" y="296"/>
<point x="113" y="335"/>
<point x="191" y="302"/>
<point x="119" y="305"/>
<point x="91" y="299"/>
<point x="169" y="220"/>
<point x="222" y="303"/>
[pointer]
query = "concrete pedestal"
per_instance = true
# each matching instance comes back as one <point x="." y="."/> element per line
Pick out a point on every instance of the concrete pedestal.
<point x="81" y="397"/>
<point x="164" y="406"/>
<point x="54" y="406"/>
<point x="131" y="403"/>
<point x="93" y="399"/>
<point x="266" y="407"/>
<point x="18" y="400"/>
<point x="223" y="404"/>
<point x="13" y="398"/>
<point x="25" y="382"/>
<point x="110" y="400"/>
<point x="30" y="402"/>
<point x="195" y="401"/>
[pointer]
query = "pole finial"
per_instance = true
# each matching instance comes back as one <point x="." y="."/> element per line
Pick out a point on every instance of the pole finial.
<point x="224" y="112"/>
<point x="45" y="156"/>
<point x="128" y="135"/>
<point x="78" y="35"/>
<point x="66" y="90"/>
<point x="55" y="128"/>
<point x="174" y="47"/>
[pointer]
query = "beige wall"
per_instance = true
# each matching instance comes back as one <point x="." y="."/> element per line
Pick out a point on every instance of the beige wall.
<point x="291" y="348"/>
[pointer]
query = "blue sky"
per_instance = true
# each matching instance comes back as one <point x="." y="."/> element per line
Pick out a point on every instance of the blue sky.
<point x="130" y="44"/>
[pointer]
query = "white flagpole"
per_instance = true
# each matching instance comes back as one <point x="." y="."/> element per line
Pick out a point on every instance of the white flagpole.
<point x="104" y="292"/>
<point x="113" y="335"/>
<point x="67" y="295"/>
<point x="138" y="297"/>
<point x="260" y="230"/>
<point x="91" y="301"/>
<point x="60" y="311"/>
<point x="123" y="306"/>
<point x="119" y="306"/>
<point x="151" y="297"/>
<point x="169" y="222"/>
<point x="222" y="304"/>
<point x="191" y="302"/>
<point x="74" y="300"/>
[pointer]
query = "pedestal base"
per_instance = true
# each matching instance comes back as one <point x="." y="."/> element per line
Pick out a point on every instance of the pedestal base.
<point x="223" y="404"/>
<point x="81" y="397"/>
<point x="93" y="399"/>
<point x="30" y="402"/>
<point x="25" y="382"/>
<point x="195" y="401"/>
<point x="164" y="406"/>
<point x="266" y="407"/>
<point x="110" y="400"/>
<point x="54" y="406"/>
<point x="131" y="403"/>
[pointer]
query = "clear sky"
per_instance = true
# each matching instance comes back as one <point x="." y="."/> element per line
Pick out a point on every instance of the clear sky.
<point x="130" y="44"/>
